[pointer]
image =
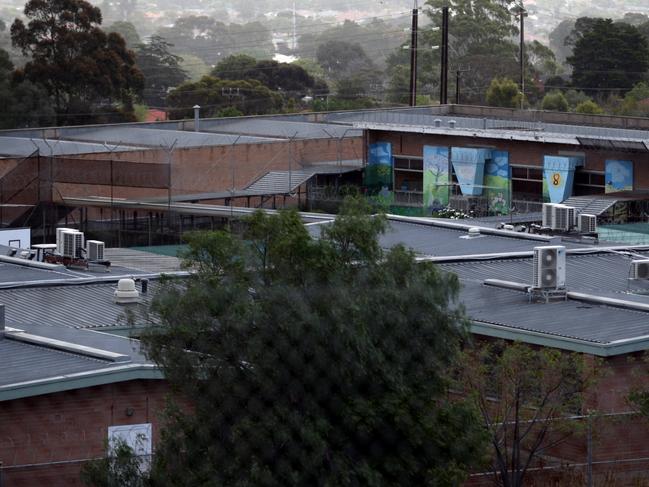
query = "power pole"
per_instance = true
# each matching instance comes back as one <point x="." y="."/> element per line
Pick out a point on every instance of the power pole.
<point x="413" y="56"/>
<point x="458" y="72"/>
<point x="443" y="86"/>
<point x="522" y="13"/>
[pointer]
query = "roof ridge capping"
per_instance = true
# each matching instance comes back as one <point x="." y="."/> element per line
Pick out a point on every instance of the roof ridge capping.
<point x="51" y="343"/>
<point x="575" y="296"/>
<point x="438" y="222"/>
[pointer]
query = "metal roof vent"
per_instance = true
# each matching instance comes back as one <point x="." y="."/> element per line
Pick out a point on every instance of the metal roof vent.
<point x="126" y="292"/>
<point x="438" y="122"/>
<point x="474" y="232"/>
<point x="452" y="123"/>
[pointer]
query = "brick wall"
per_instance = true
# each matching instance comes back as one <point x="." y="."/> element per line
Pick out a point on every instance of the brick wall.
<point x="70" y="426"/>
<point x="520" y="152"/>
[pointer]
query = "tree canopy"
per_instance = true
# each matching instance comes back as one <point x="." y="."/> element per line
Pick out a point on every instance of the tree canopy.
<point x="161" y="69"/>
<point x="607" y="57"/>
<point x="79" y="65"/>
<point x="503" y="92"/>
<point x="249" y="97"/>
<point x="291" y="80"/>
<point x="311" y="361"/>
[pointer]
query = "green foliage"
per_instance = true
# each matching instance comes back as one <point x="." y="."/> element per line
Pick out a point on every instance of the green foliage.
<point x="128" y="31"/>
<point x="575" y="98"/>
<point x="482" y="39"/>
<point x="311" y="361"/>
<point x="119" y="468"/>
<point x="542" y="60"/>
<point x="558" y="39"/>
<point x="589" y="107"/>
<point x="525" y="396"/>
<point x="229" y="112"/>
<point x="73" y="59"/>
<point x="607" y="56"/>
<point x="289" y="79"/>
<point x="248" y="97"/>
<point x="503" y="92"/>
<point x="556" y="101"/>
<point x="161" y="69"/>
<point x="377" y="37"/>
<point x="194" y="66"/>
<point x="336" y="104"/>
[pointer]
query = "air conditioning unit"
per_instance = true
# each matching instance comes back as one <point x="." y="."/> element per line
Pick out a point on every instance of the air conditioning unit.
<point x="95" y="250"/>
<point x="640" y="269"/>
<point x="560" y="218"/>
<point x="573" y="216"/>
<point x="71" y="244"/>
<point x="549" y="267"/>
<point x="546" y="215"/>
<point x="587" y="223"/>
<point x="59" y="238"/>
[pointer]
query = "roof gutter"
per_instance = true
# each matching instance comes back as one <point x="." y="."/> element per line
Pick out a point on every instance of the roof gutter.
<point x="80" y="380"/>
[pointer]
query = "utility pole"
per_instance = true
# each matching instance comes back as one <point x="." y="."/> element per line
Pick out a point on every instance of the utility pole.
<point x="413" y="56"/>
<point x="522" y="13"/>
<point x="443" y="86"/>
<point x="458" y="72"/>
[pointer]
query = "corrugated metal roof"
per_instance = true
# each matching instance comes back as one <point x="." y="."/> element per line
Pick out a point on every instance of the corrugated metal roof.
<point x="567" y="319"/>
<point x="434" y="240"/>
<point x="22" y="362"/>
<point x="74" y="306"/>
<point x="284" y="129"/>
<point x="155" y="138"/>
<point x="23" y="147"/>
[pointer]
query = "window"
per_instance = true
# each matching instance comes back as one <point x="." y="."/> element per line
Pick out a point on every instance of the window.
<point x="135" y="436"/>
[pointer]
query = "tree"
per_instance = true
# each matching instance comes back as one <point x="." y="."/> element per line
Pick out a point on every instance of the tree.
<point x="311" y="361"/>
<point x="556" y="101"/>
<point x="161" y="69"/>
<point x="503" y="92"/>
<point x="341" y="59"/>
<point x="526" y="397"/>
<point x="234" y="67"/>
<point x="558" y="36"/>
<point x="480" y="40"/>
<point x="23" y="103"/>
<point x="542" y="60"/>
<point x="291" y="80"/>
<point x="608" y="57"/>
<point x="249" y="97"/>
<point x="589" y="107"/>
<point x="128" y="31"/>
<point x="79" y="65"/>
<point x="119" y="468"/>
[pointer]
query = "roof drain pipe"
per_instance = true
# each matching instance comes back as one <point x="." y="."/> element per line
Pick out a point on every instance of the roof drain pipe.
<point x="197" y="117"/>
<point x="2" y="320"/>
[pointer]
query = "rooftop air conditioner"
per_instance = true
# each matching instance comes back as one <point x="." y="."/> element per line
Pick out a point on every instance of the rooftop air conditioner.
<point x="549" y="267"/>
<point x="71" y="244"/>
<point x="546" y="215"/>
<point x="95" y="250"/>
<point x="640" y="269"/>
<point x="587" y="223"/>
<point x="59" y="238"/>
<point x="560" y="218"/>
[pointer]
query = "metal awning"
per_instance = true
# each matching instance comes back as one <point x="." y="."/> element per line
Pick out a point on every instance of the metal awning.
<point x="613" y="144"/>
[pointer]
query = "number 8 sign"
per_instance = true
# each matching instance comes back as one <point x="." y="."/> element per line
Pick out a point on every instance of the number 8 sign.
<point x="556" y="179"/>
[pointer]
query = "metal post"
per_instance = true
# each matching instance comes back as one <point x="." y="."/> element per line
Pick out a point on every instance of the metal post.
<point x="457" y="87"/>
<point x="413" y="57"/>
<point x="443" y="87"/>
<point x="589" y="453"/>
<point x="197" y="116"/>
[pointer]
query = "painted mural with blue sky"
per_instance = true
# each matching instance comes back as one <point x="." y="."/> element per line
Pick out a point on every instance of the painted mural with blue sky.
<point x="619" y="176"/>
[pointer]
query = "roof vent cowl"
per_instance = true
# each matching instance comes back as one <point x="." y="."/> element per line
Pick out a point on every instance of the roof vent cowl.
<point x="126" y="292"/>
